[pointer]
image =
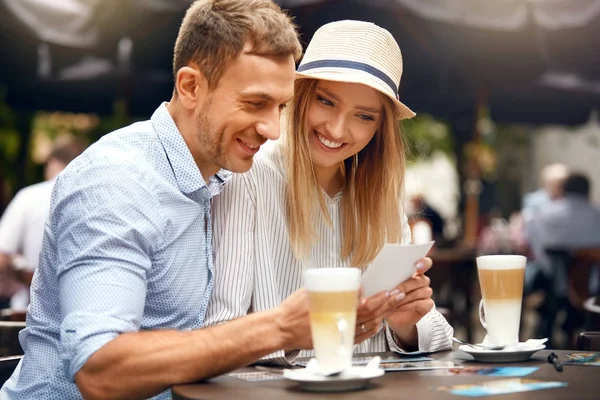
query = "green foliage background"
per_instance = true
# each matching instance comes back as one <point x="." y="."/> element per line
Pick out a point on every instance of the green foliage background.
<point x="424" y="136"/>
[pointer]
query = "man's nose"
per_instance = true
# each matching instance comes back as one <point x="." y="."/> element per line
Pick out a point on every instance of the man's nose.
<point x="270" y="127"/>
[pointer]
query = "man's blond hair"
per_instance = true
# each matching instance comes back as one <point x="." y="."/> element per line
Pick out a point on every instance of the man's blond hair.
<point x="371" y="203"/>
<point x="214" y="32"/>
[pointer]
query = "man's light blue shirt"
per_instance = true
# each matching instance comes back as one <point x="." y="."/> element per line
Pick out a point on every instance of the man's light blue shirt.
<point x="127" y="247"/>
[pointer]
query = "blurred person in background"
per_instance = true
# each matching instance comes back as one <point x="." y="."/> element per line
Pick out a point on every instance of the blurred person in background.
<point x="328" y="195"/>
<point x="421" y="210"/>
<point x="22" y="224"/>
<point x="552" y="179"/>
<point x="570" y="222"/>
<point x="126" y="269"/>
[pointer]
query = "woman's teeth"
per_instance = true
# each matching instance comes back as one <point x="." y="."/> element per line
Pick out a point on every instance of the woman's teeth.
<point x="328" y="143"/>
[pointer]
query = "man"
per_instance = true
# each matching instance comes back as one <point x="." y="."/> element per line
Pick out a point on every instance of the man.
<point x="22" y="224"/>
<point x="126" y="269"/>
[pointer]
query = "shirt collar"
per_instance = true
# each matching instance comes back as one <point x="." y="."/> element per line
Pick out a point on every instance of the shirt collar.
<point x="218" y="181"/>
<point x="188" y="176"/>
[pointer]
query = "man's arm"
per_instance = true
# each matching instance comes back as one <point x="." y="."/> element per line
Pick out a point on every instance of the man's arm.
<point x="142" y="364"/>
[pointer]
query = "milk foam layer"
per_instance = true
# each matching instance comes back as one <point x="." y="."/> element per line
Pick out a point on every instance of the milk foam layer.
<point x="332" y="279"/>
<point x="501" y="262"/>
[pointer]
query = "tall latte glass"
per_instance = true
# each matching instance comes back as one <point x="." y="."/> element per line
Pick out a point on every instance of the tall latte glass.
<point x="501" y="279"/>
<point x="333" y="300"/>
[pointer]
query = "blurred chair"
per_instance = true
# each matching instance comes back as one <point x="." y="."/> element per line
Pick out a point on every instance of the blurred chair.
<point x="592" y="314"/>
<point x="452" y="279"/>
<point x="555" y="290"/>
<point x="580" y="274"/>
<point x="9" y="338"/>
<point x="572" y="269"/>
<point x="588" y="341"/>
<point x="7" y="367"/>
<point x="10" y="349"/>
<point x="8" y="314"/>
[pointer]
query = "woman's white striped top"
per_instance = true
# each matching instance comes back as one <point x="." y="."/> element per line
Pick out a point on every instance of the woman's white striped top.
<point x="255" y="268"/>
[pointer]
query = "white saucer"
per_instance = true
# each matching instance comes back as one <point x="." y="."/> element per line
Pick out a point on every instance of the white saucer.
<point x="352" y="379"/>
<point x="506" y="355"/>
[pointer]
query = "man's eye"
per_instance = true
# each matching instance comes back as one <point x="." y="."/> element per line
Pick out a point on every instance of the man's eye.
<point x="255" y="104"/>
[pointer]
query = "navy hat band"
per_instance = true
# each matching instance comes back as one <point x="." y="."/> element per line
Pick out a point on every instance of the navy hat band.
<point x="351" y="65"/>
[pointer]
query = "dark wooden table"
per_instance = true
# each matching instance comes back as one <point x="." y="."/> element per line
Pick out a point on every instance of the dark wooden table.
<point x="584" y="383"/>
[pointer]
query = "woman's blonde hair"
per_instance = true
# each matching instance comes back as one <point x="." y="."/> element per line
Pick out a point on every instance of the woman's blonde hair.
<point x="373" y="188"/>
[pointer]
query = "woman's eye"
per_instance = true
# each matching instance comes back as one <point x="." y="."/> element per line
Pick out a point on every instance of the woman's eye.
<point x="366" y="117"/>
<point x="324" y="101"/>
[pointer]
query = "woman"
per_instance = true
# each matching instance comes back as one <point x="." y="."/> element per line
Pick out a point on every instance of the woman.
<point x="328" y="195"/>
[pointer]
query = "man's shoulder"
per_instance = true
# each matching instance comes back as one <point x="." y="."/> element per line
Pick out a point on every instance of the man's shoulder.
<point x="578" y="206"/>
<point x="133" y="148"/>
<point x="594" y="212"/>
<point x="124" y="143"/>
<point x="128" y="162"/>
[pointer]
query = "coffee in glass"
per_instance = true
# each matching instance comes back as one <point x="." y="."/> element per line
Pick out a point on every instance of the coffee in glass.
<point x="501" y="280"/>
<point x="333" y="300"/>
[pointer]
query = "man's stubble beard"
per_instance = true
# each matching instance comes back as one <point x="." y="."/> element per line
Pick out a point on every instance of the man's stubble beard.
<point x="211" y="140"/>
<point x="214" y="142"/>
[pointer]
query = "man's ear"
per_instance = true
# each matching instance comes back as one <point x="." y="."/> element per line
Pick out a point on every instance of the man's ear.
<point x="192" y="87"/>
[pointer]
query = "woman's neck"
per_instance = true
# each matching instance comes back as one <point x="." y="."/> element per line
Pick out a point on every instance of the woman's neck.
<point x="330" y="179"/>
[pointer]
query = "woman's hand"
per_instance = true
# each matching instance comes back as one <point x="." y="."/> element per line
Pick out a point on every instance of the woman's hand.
<point x="371" y="312"/>
<point x="417" y="302"/>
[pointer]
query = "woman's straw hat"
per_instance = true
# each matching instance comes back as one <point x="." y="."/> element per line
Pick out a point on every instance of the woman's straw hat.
<point x="356" y="52"/>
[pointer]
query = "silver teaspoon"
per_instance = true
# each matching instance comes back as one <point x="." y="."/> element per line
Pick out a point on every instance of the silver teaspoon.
<point x="481" y="346"/>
